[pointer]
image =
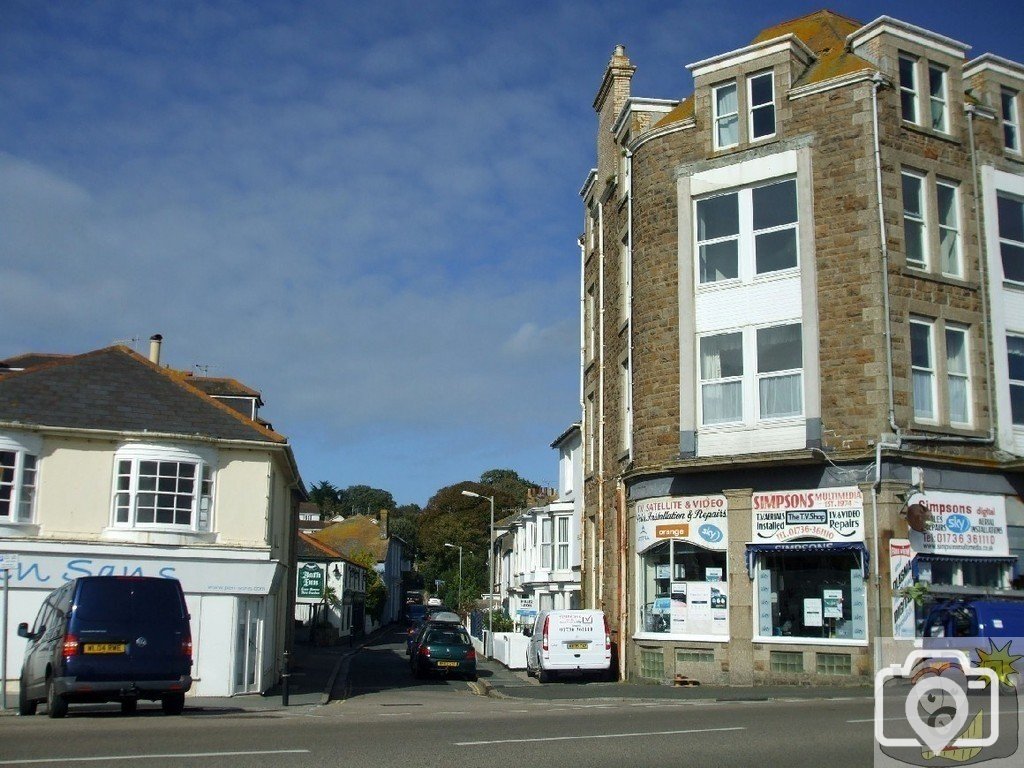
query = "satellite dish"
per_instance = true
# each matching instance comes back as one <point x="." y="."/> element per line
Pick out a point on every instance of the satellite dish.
<point x="918" y="517"/>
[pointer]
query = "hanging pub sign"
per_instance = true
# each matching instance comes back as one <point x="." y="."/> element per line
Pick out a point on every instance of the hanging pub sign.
<point x="310" y="583"/>
<point x="964" y="524"/>
<point x="822" y="514"/>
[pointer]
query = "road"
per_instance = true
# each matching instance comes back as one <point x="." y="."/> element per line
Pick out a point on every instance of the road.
<point x="391" y="720"/>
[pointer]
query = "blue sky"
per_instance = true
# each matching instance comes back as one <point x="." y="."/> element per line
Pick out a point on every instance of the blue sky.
<point x="367" y="211"/>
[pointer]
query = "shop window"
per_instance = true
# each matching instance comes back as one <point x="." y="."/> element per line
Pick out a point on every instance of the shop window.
<point x="964" y="573"/>
<point x="811" y="595"/>
<point x="833" y="663"/>
<point x="652" y="664"/>
<point x="684" y="590"/>
<point x="786" y="662"/>
<point x="695" y="656"/>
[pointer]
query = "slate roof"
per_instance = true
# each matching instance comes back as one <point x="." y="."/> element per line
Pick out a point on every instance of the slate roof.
<point x="221" y="386"/>
<point x="117" y="389"/>
<point x="352" y="534"/>
<point x="824" y="32"/>
<point x="308" y="548"/>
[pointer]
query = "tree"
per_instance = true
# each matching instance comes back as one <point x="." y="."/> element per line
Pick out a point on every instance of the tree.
<point x="509" y="482"/>
<point x="364" y="500"/>
<point x="325" y="496"/>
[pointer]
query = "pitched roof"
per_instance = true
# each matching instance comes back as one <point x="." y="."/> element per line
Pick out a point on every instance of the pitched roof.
<point x="308" y="548"/>
<point x="118" y="390"/>
<point x="824" y="32"/>
<point x="223" y="387"/>
<point x="352" y="534"/>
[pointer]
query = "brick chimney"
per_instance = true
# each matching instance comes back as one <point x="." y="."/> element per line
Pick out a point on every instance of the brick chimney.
<point x="382" y="516"/>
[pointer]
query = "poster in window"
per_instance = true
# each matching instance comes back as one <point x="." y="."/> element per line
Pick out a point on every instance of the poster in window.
<point x="832" y="602"/>
<point x="662" y="571"/>
<point x="680" y="608"/>
<point x="712" y="574"/>
<point x="812" y="612"/>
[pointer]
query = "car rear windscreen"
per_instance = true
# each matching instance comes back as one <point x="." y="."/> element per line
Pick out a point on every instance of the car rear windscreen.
<point x="144" y="599"/>
<point x="448" y="636"/>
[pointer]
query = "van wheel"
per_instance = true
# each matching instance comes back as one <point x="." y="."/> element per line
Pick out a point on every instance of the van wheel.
<point x="543" y="675"/>
<point x="26" y="707"/>
<point x="173" y="703"/>
<point x="128" y="706"/>
<point x="56" y="705"/>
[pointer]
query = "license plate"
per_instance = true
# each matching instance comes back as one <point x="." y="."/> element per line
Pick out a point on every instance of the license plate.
<point x="103" y="648"/>
<point x="447" y="663"/>
<point x="577" y="646"/>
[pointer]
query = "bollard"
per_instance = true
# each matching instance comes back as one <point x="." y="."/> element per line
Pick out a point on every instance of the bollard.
<point x="284" y="680"/>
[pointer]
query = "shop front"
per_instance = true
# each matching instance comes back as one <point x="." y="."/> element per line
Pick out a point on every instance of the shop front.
<point x="681" y="568"/>
<point x="809" y="566"/>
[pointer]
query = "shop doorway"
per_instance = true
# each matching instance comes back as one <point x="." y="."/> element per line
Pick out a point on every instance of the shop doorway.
<point x="248" y="631"/>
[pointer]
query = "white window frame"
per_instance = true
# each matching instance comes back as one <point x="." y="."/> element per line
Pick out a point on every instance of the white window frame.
<point x="591" y="322"/>
<point x="749" y="378"/>
<point x="625" y="385"/>
<point x="201" y="516"/>
<point x="23" y="480"/>
<point x="753" y="108"/>
<point x="910" y="89"/>
<point x="720" y="119"/>
<point x="1006" y="241"/>
<point x="1009" y="108"/>
<point x="563" y="534"/>
<point x="546" y="542"/>
<point x="925" y="370"/>
<point x="963" y="376"/>
<point x="950" y="229"/>
<point x="940" y="99"/>
<point x="918" y="219"/>
<point x="745" y="237"/>
<point x="1019" y="383"/>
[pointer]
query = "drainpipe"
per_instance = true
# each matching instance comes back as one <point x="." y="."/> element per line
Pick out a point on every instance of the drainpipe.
<point x="583" y="409"/>
<point x="600" y="406"/>
<point x="629" y="299"/>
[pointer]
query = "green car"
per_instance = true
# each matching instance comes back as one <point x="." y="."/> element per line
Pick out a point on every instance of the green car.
<point x="446" y="649"/>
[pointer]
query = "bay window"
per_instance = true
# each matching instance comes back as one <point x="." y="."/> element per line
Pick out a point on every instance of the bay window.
<point x="1015" y="353"/>
<point x="19" y="457"/>
<point x="1010" y="212"/>
<point x="545" y="543"/>
<point x="157" y="487"/>
<point x="747" y="233"/>
<point x="562" y="543"/>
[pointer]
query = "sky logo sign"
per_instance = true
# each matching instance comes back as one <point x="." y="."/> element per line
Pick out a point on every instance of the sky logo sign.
<point x="710" y="533"/>
<point x="958" y="523"/>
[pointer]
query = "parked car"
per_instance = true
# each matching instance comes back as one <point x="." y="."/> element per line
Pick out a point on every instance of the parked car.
<point x="108" y="638"/>
<point x="444" y="648"/>
<point x="415" y="633"/>
<point x="569" y="642"/>
<point x="415" y="613"/>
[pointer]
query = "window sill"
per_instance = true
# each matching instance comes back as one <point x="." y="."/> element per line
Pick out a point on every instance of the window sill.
<point x="157" y="536"/>
<point x="921" y="273"/>
<point x="940" y="430"/>
<point x="18" y="530"/>
<point x="790" y="421"/>
<point x="676" y="638"/>
<point x="737" y="282"/>
<point x="924" y="131"/>
<point x="811" y="641"/>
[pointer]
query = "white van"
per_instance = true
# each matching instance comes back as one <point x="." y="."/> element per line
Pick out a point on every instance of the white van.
<point x="568" y="642"/>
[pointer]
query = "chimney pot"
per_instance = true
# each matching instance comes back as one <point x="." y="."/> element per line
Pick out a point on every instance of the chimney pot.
<point x="154" y="348"/>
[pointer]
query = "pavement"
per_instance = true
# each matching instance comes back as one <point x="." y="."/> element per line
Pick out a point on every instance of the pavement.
<point x="318" y="676"/>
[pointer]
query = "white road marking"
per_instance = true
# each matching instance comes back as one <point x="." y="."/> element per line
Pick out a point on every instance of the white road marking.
<point x="595" y="736"/>
<point x="183" y="755"/>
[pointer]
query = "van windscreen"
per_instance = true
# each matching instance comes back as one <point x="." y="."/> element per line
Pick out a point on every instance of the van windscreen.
<point x="106" y="600"/>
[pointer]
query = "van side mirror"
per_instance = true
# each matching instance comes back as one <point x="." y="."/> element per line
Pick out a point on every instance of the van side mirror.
<point x="528" y="631"/>
<point x="23" y="631"/>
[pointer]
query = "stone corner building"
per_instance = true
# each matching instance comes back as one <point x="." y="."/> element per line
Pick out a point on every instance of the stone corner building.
<point x="803" y="316"/>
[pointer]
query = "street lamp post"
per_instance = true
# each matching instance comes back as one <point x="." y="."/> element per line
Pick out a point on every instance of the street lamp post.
<point x="455" y="546"/>
<point x="490" y="568"/>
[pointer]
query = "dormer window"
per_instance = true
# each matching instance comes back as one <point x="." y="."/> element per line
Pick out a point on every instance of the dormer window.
<point x="937" y="97"/>
<point x="761" y="93"/>
<point x="908" y="88"/>
<point x="1009" y="104"/>
<point x="911" y="69"/>
<point x="726" y="116"/>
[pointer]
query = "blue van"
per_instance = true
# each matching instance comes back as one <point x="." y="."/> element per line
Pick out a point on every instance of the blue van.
<point x="108" y="638"/>
<point x="975" y="618"/>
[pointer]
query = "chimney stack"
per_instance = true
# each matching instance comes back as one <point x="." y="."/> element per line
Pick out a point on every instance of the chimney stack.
<point x="154" y="348"/>
<point x="382" y="515"/>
